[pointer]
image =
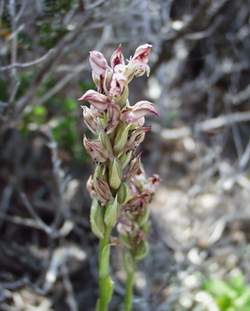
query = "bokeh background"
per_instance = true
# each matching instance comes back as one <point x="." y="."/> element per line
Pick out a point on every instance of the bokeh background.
<point x="200" y="146"/>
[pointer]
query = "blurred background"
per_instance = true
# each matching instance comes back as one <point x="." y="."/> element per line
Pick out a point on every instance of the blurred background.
<point x="200" y="147"/>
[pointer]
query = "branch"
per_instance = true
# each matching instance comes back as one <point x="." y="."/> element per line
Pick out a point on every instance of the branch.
<point x="205" y="126"/>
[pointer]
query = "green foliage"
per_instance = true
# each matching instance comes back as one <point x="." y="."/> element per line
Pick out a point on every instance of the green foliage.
<point x="232" y="295"/>
<point x="61" y="116"/>
<point x="26" y="78"/>
<point x="37" y="115"/>
<point x="62" y="6"/>
<point x="50" y="33"/>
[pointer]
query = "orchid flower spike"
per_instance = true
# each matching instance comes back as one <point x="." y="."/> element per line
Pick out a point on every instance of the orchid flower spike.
<point x="119" y="188"/>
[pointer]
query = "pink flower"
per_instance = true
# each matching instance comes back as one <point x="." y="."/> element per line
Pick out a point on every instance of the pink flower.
<point x="135" y="167"/>
<point x="95" y="150"/>
<point x="117" y="85"/>
<point x="138" y="63"/>
<point x="138" y="202"/>
<point x="99" y="101"/>
<point x="90" y="119"/>
<point x="142" y="53"/>
<point x="97" y="62"/>
<point x="136" y="137"/>
<point x="117" y="57"/>
<point x="137" y="112"/>
<point x="113" y="116"/>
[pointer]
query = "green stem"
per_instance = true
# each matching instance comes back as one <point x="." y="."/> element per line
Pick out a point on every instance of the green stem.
<point x="128" y="302"/>
<point x="105" y="283"/>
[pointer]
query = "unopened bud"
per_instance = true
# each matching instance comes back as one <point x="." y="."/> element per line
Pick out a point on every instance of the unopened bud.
<point x="121" y="137"/>
<point x="98" y="62"/>
<point x="102" y="190"/>
<point x="106" y="143"/>
<point x="100" y="171"/>
<point x="124" y="193"/>
<point x="115" y="174"/>
<point x="95" y="150"/>
<point x="96" y="219"/>
<point x="142" y="250"/>
<point x="111" y="213"/>
<point x="143" y="218"/>
<point x="125" y="158"/>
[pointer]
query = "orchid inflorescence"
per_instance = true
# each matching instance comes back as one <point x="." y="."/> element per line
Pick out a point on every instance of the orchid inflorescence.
<point x="118" y="187"/>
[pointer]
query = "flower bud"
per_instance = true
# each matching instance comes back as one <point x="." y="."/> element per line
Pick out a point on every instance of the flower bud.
<point x="96" y="219"/>
<point x="124" y="194"/>
<point x="143" y="218"/>
<point x="111" y="213"/>
<point x="135" y="167"/>
<point x="100" y="171"/>
<point x="102" y="190"/>
<point x="117" y="57"/>
<point x="142" y="250"/>
<point x="95" y="150"/>
<point x="115" y="174"/>
<point x="90" y="119"/>
<point x="125" y="158"/>
<point x="106" y="143"/>
<point x="99" y="101"/>
<point x="137" y="203"/>
<point x="98" y="62"/>
<point x="121" y="137"/>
